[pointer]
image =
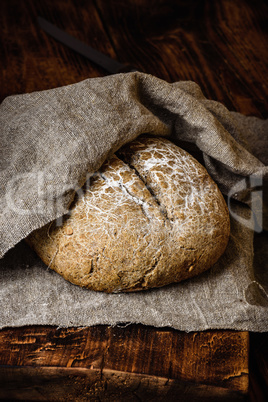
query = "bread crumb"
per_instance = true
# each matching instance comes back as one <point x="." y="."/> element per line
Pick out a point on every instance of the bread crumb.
<point x="69" y="230"/>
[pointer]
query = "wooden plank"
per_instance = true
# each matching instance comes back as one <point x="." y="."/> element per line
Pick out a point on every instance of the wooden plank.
<point x="58" y="384"/>
<point x="220" y="45"/>
<point x="31" y="60"/>
<point x="217" y="358"/>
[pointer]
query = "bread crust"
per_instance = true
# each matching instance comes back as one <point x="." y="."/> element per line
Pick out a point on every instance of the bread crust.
<point x="151" y="216"/>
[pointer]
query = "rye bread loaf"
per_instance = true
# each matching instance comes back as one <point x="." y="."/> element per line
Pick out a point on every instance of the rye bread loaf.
<point x="151" y="216"/>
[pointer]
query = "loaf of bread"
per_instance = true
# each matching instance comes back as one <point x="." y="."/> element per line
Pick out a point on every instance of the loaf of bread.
<point x="151" y="216"/>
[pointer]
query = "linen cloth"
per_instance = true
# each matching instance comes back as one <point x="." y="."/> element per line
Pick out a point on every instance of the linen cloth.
<point x="52" y="141"/>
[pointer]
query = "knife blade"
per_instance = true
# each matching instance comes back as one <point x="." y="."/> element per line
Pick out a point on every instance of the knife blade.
<point x="112" y="66"/>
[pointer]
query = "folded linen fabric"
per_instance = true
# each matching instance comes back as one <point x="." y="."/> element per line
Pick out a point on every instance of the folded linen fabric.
<point x="52" y="141"/>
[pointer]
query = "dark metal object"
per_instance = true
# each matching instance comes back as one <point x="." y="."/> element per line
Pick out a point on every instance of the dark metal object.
<point x="109" y="64"/>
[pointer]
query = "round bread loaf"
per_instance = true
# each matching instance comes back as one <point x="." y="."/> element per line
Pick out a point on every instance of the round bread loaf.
<point x="151" y="216"/>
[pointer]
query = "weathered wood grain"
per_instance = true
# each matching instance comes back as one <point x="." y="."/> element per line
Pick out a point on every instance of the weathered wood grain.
<point x="51" y="384"/>
<point x="31" y="60"/>
<point x="221" y="45"/>
<point x="210" y="357"/>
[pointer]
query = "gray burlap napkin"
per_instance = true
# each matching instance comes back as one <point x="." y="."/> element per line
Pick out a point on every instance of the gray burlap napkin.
<point x="52" y="141"/>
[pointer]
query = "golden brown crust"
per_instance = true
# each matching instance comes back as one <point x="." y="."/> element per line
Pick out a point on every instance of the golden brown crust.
<point x="151" y="216"/>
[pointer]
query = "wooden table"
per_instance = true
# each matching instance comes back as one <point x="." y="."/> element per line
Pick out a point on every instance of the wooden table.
<point x="220" y="45"/>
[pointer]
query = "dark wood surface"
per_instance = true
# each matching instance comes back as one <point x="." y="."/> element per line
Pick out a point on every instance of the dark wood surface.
<point x="216" y="359"/>
<point x="222" y="46"/>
